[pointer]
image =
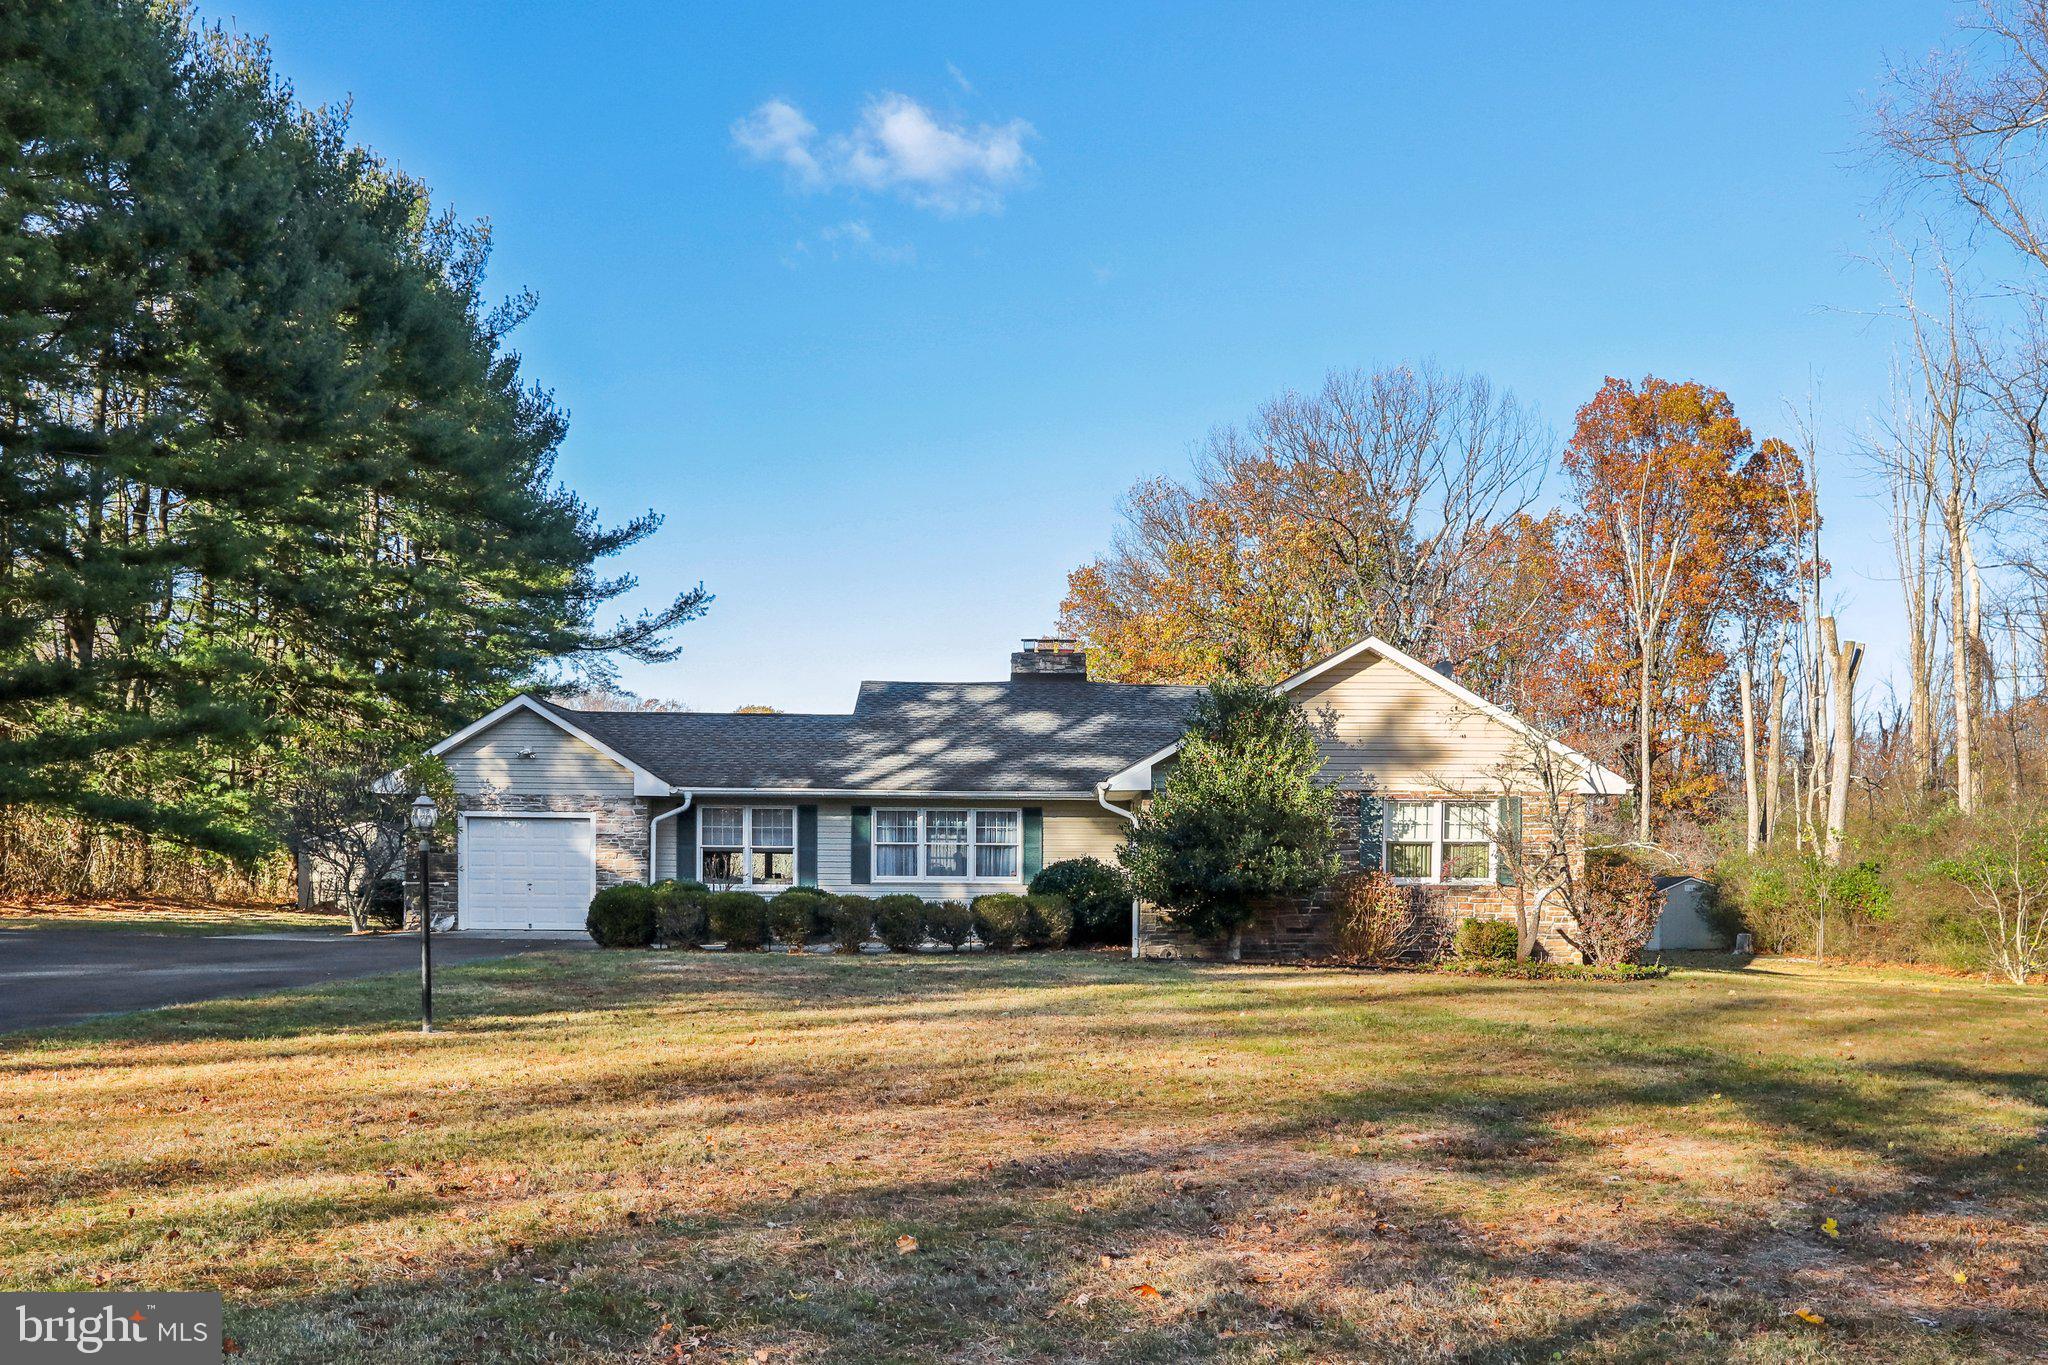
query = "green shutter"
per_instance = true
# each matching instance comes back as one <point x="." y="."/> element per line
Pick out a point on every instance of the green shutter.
<point x="1510" y="819"/>
<point x="686" y="846"/>
<point x="1371" y="815"/>
<point x="863" y="836"/>
<point x="1034" y="842"/>
<point x="806" y="845"/>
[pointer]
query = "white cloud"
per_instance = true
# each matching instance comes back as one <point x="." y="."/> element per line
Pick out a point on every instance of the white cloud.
<point x="898" y="146"/>
<point x="855" y="238"/>
<point x="959" y="78"/>
<point x="778" y="131"/>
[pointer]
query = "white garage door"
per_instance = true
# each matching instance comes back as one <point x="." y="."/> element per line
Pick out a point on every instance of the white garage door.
<point x="527" y="873"/>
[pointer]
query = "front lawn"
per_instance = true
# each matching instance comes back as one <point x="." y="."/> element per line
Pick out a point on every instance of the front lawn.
<point x="653" y="1156"/>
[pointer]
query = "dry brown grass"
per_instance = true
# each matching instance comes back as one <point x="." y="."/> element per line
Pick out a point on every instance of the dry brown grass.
<point x="661" y="1156"/>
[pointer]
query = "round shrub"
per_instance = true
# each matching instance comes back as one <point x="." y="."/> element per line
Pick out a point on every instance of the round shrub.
<point x="1485" y="940"/>
<point x="1002" y="919"/>
<point x="1098" y="894"/>
<point x="792" y="915"/>
<point x="622" y="916"/>
<point x="679" y="913"/>
<point x="949" y="921"/>
<point x="1048" y="921"/>
<point x="899" y="919"/>
<point x="852" y="918"/>
<point x="739" y="919"/>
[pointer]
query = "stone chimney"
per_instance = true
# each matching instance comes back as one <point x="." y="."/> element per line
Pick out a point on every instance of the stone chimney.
<point x="1050" y="657"/>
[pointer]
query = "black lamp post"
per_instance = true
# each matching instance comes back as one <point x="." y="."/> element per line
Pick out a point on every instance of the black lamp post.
<point x="424" y="813"/>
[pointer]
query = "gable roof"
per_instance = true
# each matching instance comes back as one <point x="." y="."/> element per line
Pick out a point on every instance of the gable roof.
<point x="645" y="781"/>
<point x="1042" y="737"/>
<point x="1598" y="781"/>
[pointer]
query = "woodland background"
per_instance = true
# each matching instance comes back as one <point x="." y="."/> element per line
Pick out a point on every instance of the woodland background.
<point x="279" y="507"/>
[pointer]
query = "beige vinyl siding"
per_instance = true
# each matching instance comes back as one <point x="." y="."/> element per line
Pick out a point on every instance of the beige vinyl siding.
<point x="1082" y="830"/>
<point x="562" y="765"/>
<point x="1388" y="724"/>
<point x="835" y="845"/>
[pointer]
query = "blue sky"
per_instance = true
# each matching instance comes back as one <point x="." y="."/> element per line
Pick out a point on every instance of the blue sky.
<point x="887" y="378"/>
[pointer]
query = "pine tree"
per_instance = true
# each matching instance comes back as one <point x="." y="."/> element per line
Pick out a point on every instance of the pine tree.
<point x="272" y="486"/>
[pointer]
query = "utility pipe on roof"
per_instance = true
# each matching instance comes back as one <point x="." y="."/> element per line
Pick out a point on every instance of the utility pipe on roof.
<point x="1102" y="799"/>
<point x="653" y="845"/>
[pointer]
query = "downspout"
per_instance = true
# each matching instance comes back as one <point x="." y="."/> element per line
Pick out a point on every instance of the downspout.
<point x="653" y="845"/>
<point x="1102" y="799"/>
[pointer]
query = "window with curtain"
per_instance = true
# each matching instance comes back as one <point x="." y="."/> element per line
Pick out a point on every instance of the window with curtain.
<point x="1439" y="841"/>
<point x="896" y="843"/>
<point x="948" y="844"/>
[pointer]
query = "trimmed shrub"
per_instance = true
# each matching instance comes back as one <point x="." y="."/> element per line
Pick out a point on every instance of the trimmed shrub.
<point x="796" y="913"/>
<point x="899" y="919"/>
<point x="1374" y="919"/>
<point x="949" y="921"/>
<point x="679" y="913"/>
<point x="1002" y="919"/>
<point x="739" y="919"/>
<point x="1048" y="922"/>
<point x="1484" y="940"/>
<point x="852" y="917"/>
<point x="1098" y="894"/>
<point x="622" y="916"/>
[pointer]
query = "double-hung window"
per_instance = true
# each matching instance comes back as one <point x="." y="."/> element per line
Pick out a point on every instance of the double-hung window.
<point x="747" y="846"/>
<point x="948" y="844"/>
<point x="1439" y="841"/>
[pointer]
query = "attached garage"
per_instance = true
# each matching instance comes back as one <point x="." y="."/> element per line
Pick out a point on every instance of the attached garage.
<point x="523" y="872"/>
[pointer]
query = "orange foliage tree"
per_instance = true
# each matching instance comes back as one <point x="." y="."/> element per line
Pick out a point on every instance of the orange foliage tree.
<point x="1685" y="533"/>
<point x="1391" y="503"/>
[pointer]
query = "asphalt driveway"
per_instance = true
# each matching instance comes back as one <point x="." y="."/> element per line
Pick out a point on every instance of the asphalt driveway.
<point x="55" y="976"/>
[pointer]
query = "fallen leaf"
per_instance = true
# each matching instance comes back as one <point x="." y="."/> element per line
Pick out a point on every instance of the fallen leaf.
<point x="1808" y="1315"/>
<point x="1828" y="1226"/>
<point x="1961" y="1278"/>
<point x="905" y="1244"/>
<point x="1146" y="1291"/>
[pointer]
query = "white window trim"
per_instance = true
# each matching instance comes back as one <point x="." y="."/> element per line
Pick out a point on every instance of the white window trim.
<point x="1436" y="840"/>
<point x="974" y="814"/>
<point x="796" y="839"/>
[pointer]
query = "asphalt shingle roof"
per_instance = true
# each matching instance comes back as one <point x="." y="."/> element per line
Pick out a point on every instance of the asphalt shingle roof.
<point x="1034" y="735"/>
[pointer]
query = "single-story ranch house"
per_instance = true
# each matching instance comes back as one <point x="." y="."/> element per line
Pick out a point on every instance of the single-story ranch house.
<point x="951" y="790"/>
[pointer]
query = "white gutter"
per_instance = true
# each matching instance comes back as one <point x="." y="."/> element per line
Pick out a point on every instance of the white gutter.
<point x="1102" y="799"/>
<point x="652" y="843"/>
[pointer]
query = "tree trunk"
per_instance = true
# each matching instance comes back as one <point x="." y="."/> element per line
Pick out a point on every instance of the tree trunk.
<point x="1961" y="642"/>
<point x="1237" y="943"/>
<point x="1774" y="751"/>
<point x="305" y="878"/>
<point x="1643" y="750"/>
<point x="1846" y="659"/>
<point x="1749" y="784"/>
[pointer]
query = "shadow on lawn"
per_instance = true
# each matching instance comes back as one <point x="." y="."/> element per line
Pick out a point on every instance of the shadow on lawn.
<point x="1006" y="1252"/>
<point x="1266" y="1234"/>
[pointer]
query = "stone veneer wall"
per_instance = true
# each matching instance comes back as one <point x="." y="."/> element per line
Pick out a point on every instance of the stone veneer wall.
<point x="1293" y="929"/>
<point x="621" y="844"/>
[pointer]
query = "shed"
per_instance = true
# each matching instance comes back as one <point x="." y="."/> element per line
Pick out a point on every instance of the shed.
<point x="1683" y="926"/>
